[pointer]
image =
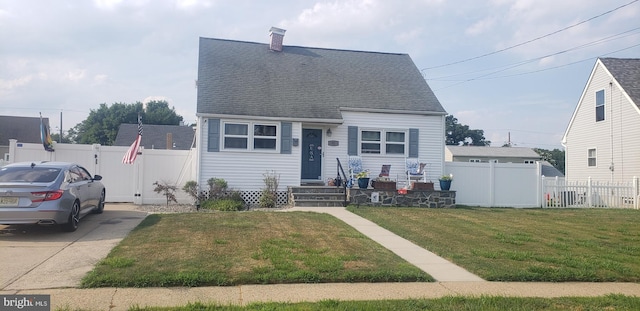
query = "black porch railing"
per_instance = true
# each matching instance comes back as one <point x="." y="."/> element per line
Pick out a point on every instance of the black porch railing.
<point x="341" y="180"/>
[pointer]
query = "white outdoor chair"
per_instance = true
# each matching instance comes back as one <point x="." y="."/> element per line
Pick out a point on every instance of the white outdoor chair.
<point x="415" y="170"/>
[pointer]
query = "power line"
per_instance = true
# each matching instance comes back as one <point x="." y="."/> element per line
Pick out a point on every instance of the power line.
<point x="532" y="40"/>
<point x="506" y="67"/>
<point x="535" y="71"/>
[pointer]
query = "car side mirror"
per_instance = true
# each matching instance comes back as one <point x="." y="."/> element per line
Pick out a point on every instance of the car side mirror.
<point x="97" y="177"/>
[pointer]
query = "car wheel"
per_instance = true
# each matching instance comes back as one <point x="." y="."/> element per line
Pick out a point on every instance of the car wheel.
<point x="74" y="218"/>
<point x="100" y="208"/>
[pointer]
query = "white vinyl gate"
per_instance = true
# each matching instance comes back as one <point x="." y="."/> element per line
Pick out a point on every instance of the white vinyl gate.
<point x="131" y="183"/>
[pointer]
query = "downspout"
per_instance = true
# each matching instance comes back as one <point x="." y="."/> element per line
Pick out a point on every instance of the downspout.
<point x="611" y="167"/>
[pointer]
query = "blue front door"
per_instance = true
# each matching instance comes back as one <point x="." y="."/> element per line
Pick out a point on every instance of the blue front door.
<point x="311" y="154"/>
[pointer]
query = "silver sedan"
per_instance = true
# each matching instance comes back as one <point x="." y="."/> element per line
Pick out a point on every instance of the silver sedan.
<point x="48" y="193"/>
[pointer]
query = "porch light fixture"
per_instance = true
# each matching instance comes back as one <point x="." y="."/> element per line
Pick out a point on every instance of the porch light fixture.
<point x="329" y="133"/>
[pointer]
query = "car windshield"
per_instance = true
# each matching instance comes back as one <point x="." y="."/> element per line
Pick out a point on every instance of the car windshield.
<point x="28" y="174"/>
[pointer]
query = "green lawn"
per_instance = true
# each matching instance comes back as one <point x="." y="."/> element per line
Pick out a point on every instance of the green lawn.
<point x="611" y="302"/>
<point x="500" y="244"/>
<point x="230" y="248"/>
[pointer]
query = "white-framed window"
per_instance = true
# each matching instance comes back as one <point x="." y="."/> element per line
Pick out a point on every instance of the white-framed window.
<point x="600" y="105"/>
<point x="529" y="161"/>
<point x="257" y="136"/>
<point x="591" y="157"/>
<point x="383" y="141"/>
<point x="475" y="160"/>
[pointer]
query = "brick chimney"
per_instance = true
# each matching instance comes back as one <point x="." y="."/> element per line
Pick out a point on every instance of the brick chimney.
<point x="276" y="35"/>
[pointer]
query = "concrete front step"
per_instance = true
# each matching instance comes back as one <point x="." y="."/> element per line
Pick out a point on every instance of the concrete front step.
<point x="316" y="196"/>
<point x="318" y="203"/>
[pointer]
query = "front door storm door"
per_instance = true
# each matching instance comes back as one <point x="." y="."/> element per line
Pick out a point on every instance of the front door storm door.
<point x="311" y="154"/>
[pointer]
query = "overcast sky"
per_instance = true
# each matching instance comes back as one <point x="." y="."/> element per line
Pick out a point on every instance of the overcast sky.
<point x="503" y="66"/>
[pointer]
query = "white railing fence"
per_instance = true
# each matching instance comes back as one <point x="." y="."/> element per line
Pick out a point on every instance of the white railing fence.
<point x="559" y="192"/>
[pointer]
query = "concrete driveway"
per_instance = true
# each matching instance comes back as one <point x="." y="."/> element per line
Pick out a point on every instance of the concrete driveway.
<point x="35" y="257"/>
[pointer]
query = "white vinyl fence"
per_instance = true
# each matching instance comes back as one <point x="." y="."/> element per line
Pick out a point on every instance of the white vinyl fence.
<point x="559" y="192"/>
<point x="124" y="182"/>
<point x="495" y="184"/>
<point x="476" y="184"/>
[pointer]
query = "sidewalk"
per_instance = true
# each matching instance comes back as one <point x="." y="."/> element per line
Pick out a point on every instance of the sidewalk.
<point x="122" y="298"/>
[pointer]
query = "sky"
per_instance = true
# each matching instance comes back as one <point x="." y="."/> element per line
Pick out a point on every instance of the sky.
<point x="513" y="68"/>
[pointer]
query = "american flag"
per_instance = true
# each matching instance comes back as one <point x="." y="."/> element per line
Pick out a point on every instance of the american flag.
<point x="132" y="152"/>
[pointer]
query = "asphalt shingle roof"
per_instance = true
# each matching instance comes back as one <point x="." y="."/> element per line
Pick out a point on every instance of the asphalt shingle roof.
<point x="246" y="78"/>
<point x="155" y="136"/>
<point x="627" y="72"/>
<point x="24" y="129"/>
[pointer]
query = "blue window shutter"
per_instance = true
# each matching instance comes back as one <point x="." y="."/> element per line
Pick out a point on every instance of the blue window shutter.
<point x="414" y="143"/>
<point x="214" y="135"/>
<point x="285" y="138"/>
<point x="352" y="140"/>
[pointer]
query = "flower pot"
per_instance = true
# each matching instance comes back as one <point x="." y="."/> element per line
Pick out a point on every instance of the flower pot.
<point x="445" y="185"/>
<point x="363" y="183"/>
<point x="384" y="185"/>
<point x="422" y="186"/>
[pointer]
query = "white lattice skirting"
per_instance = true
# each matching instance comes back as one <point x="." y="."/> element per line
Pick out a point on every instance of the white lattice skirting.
<point x="252" y="198"/>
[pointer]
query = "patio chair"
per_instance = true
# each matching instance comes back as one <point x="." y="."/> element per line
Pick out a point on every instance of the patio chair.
<point x="384" y="172"/>
<point x="415" y="170"/>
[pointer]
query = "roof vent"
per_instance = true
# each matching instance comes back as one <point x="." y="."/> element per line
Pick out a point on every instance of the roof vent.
<point x="276" y="35"/>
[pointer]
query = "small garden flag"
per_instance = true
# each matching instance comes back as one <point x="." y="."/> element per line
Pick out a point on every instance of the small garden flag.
<point x="47" y="142"/>
<point x="132" y="153"/>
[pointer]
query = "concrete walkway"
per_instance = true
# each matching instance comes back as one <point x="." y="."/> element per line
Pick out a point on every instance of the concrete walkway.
<point x="436" y="266"/>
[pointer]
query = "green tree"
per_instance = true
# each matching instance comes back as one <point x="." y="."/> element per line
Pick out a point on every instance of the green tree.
<point x="555" y="157"/>
<point x="101" y="126"/>
<point x="459" y="134"/>
<point x="158" y="112"/>
<point x="66" y="139"/>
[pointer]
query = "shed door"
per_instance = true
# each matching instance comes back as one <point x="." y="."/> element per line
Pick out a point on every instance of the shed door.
<point x="311" y="154"/>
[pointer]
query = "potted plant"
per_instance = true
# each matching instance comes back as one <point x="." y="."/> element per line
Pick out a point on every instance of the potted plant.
<point x="363" y="179"/>
<point x="445" y="182"/>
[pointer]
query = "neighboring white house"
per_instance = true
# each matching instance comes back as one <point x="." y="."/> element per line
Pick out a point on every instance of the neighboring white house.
<point x="602" y="140"/>
<point x="295" y="110"/>
<point x="482" y="154"/>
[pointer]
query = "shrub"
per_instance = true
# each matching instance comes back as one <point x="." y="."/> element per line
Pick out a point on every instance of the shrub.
<point x="269" y="197"/>
<point x="217" y="187"/>
<point x="227" y="204"/>
<point x="191" y="188"/>
<point x="167" y="189"/>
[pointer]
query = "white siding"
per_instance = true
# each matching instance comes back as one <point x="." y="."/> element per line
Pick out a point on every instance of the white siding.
<point x="431" y="143"/>
<point x="615" y="138"/>
<point x="244" y="170"/>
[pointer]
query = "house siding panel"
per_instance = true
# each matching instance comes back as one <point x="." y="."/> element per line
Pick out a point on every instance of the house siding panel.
<point x="244" y="171"/>
<point x="614" y="138"/>
<point x="431" y="143"/>
<point x="253" y="165"/>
